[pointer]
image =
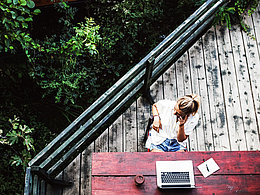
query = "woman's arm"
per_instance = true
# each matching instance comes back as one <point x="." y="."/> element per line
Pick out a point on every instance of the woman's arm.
<point x="156" y="120"/>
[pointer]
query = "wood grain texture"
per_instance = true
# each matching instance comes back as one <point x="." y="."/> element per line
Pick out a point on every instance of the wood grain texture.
<point x="72" y="174"/>
<point x="156" y="89"/>
<point x="244" y="86"/>
<point x="85" y="176"/>
<point x="116" y="135"/>
<point x="253" y="62"/>
<point x="130" y="130"/>
<point x="143" y="112"/>
<point x="256" y="23"/>
<point x="170" y="83"/>
<point x="180" y="80"/>
<point x="113" y="173"/>
<point x="230" y="90"/>
<point x="102" y="142"/>
<point x="245" y="184"/>
<point x="215" y="92"/>
<point x="120" y="163"/>
<point x="199" y="86"/>
<point x="187" y="82"/>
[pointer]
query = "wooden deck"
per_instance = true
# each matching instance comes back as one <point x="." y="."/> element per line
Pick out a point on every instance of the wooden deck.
<point x="223" y="67"/>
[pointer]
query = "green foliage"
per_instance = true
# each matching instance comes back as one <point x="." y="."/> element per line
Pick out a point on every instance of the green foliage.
<point x="126" y="31"/>
<point x="68" y="65"/>
<point x="58" y="66"/>
<point x="235" y="12"/>
<point x="12" y="176"/>
<point x="19" y="135"/>
<point x="16" y="15"/>
<point x="223" y="15"/>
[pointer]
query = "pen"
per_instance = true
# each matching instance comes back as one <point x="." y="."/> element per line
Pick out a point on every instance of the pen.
<point x="206" y="165"/>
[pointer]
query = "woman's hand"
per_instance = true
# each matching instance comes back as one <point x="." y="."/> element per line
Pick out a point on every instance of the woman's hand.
<point x="182" y="121"/>
<point x="156" y="123"/>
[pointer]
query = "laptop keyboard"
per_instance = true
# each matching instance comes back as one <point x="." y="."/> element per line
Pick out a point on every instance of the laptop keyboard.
<point x="175" y="177"/>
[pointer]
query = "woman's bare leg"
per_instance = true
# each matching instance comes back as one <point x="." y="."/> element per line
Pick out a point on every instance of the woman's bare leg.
<point x="156" y="150"/>
<point x="180" y="151"/>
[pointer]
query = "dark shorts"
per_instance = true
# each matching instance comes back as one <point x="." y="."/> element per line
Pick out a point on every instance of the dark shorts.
<point x="169" y="145"/>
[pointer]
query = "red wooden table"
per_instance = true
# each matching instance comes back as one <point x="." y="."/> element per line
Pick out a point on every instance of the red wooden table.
<point x="113" y="173"/>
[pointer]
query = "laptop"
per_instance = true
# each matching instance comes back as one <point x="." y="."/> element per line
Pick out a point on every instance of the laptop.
<point x="175" y="174"/>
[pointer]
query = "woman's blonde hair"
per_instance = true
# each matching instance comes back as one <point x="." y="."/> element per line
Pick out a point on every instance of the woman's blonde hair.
<point x="189" y="104"/>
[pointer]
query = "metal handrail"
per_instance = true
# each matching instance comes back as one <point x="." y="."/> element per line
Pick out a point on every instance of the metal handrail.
<point x="92" y="122"/>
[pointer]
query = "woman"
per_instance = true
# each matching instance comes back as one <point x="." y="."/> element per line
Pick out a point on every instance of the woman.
<point x="173" y="123"/>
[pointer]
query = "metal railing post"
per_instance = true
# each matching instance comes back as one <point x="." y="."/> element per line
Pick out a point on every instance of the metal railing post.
<point x="147" y="79"/>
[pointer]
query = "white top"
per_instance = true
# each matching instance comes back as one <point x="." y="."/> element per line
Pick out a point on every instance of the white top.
<point x="169" y="125"/>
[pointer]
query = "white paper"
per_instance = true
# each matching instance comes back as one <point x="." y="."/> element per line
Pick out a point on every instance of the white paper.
<point x="208" y="167"/>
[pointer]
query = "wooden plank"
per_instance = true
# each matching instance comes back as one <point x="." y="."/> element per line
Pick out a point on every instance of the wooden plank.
<point x="256" y="23"/>
<point x="102" y="142"/>
<point x="72" y="174"/>
<point x="244" y="184"/>
<point x="123" y="164"/>
<point x="143" y="113"/>
<point x="180" y="78"/>
<point x="130" y="132"/>
<point x="116" y="136"/>
<point x="215" y="92"/>
<point x="170" y="83"/>
<point x="199" y="86"/>
<point x="230" y="90"/>
<point x="157" y="89"/>
<point x="193" y="140"/>
<point x="85" y="176"/>
<point x="245" y="93"/>
<point x="253" y="62"/>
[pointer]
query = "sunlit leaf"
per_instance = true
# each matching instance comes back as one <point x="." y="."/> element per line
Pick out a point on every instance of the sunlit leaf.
<point x="30" y="4"/>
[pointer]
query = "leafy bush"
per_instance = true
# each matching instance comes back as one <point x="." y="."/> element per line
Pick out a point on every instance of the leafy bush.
<point x="59" y="66"/>
<point x="15" y="18"/>
<point x="19" y="143"/>
<point x="19" y="137"/>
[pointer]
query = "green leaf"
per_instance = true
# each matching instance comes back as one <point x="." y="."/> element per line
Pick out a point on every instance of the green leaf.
<point x="28" y="19"/>
<point x="30" y="4"/>
<point x="37" y="11"/>
<point x="14" y="14"/>
<point x="25" y="25"/>
<point x="9" y="1"/>
<point x="20" y="18"/>
<point x="23" y="2"/>
<point x="15" y="2"/>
